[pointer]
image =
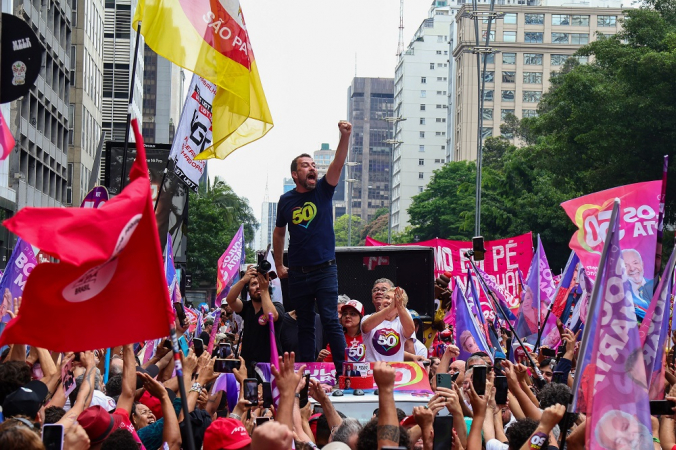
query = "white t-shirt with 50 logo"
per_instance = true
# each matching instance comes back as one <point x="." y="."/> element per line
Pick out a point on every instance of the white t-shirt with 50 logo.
<point x="385" y="342"/>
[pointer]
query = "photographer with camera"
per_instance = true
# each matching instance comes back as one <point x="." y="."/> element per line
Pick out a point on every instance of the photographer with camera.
<point x="254" y="313"/>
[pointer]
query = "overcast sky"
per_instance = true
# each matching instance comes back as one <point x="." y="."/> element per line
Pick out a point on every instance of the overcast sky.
<point x="305" y="52"/>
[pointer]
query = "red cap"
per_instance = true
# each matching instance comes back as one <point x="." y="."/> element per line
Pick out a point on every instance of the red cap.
<point x="153" y="404"/>
<point x="98" y="423"/>
<point x="226" y="434"/>
<point x="356" y="304"/>
<point x="408" y="421"/>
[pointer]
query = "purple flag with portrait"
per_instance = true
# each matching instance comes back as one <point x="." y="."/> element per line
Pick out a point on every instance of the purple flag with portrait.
<point x="469" y="335"/>
<point x="654" y="332"/>
<point x="612" y="385"/>
<point x="228" y="266"/>
<point x="527" y="316"/>
<point x="499" y="291"/>
<point x="19" y="266"/>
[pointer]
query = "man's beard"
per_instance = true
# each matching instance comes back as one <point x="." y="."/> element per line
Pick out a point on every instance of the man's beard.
<point x="308" y="186"/>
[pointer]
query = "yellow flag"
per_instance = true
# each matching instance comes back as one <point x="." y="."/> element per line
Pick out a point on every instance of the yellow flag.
<point x="209" y="38"/>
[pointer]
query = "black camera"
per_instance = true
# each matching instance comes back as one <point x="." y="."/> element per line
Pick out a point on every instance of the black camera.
<point x="264" y="267"/>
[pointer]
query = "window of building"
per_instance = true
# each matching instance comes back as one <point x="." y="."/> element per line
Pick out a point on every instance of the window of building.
<point x="440" y="133"/>
<point x="485" y="33"/>
<point x="422" y="135"/>
<point x="529" y="113"/>
<point x="421" y="162"/>
<point x="509" y="58"/>
<point x="422" y="121"/>
<point x="606" y="21"/>
<point x="486" y="132"/>
<point x="421" y="148"/>
<point x="560" y="38"/>
<point x="487" y="113"/>
<point x="505" y="112"/>
<point x="421" y="175"/>
<point x="532" y="77"/>
<point x="532" y="59"/>
<point x="488" y="59"/>
<point x="560" y="19"/>
<point x="559" y="60"/>
<point x="509" y="19"/>
<point x="423" y="94"/>
<point x="531" y="96"/>
<point x="438" y="52"/>
<point x="578" y="20"/>
<point x="423" y="80"/>
<point x="441" y="120"/>
<point x="509" y="36"/>
<point x="431" y="66"/>
<point x="422" y="107"/>
<point x="440" y="38"/>
<point x="441" y="92"/>
<point x="532" y="37"/>
<point x="579" y="38"/>
<point x="488" y="95"/>
<point x="535" y="19"/>
<point x="489" y="76"/>
<point x="582" y="59"/>
<point x="509" y="77"/>
<point x="420" y="189"/>
<point x="508" y="96"/>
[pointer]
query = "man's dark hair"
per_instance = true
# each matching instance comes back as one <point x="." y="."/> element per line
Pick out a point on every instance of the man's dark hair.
<point x="120" y="439"/>
<point x="401" y="415"/>
<point x="547" y="362"/>
<point x="294" y="163"/>
<point x="53" y="414"/>
<point x="368" y="436"/>
<point x="13" y="375"/>
<point x="114" y="386"/>
<point x="556" y="393"/>
<point x="323" y="428"/>
<point x="519" y="432"/>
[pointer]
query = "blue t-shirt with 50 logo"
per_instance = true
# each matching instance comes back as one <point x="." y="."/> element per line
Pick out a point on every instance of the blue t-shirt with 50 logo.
<point x="309" y="216"/>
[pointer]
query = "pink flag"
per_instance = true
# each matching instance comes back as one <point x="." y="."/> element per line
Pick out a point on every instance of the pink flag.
<point x="638" y="233"/>
<point x="6" y="139"/>
<point x="228" y="266"/>
<point x="610" y="383"/>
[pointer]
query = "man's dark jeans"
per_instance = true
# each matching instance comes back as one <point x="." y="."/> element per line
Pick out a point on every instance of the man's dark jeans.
<point x="320" y="285"/>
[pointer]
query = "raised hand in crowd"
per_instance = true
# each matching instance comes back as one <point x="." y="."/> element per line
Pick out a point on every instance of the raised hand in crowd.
<point x="171" y="433"/>
<point x="317" y="392"/>
<point x="454" y="406"/>
<point x="287" y="380"/>
<point x="271" y="435"/>
<point x="551" y="416"/>
<point x="388" y="425"/>
<point x="424" y="417"/>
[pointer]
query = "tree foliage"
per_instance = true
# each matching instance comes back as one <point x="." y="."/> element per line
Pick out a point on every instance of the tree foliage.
<point x="215" y="214"/>
<point x="342" y="230"/>
<point x="601" y="125"/>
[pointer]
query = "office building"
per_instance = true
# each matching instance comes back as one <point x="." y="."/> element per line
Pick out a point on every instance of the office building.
<point x="532" y="42"/>
<point x="369" y="102"/>
<point x="38" y="166"/>
<point x="118" y="55"/>
<point x="268" y="218"/>
<point x="163" y="89"/>
<point x="289" y="185"/>
<point x="84" y="114"/>
<point x="421" y="87"/>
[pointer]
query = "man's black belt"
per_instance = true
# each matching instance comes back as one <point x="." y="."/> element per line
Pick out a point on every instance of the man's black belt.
<point x="308" y="269"/>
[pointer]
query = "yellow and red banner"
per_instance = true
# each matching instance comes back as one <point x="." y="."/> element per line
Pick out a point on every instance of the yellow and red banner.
<point x="209" y="38"/>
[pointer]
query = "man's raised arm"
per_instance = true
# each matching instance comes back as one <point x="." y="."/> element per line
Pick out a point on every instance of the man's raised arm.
<point x="278" y="251"/>
<point x="336" y="166"/>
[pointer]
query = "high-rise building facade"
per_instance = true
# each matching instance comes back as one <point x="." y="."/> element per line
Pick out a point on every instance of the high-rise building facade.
<point x="118" y="55"/>
<point x="268" y="219"/>
<point x="369" y="102"/>
<point x="289" y="185"/>
<point x="38" y="166"/>
<point x="84" y="114"/>
<point x="421" y="86"/>
<point x="532" y="42"/>
<point x="163" y="86"/>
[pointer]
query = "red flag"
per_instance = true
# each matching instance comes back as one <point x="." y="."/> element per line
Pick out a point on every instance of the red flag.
<point x="6" y="139"/>
<point x="109" y="287"/>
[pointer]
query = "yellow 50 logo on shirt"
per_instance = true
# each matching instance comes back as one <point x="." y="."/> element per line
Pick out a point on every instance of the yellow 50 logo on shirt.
<point x="303" y="216"/>
<point x="386" y="341"/>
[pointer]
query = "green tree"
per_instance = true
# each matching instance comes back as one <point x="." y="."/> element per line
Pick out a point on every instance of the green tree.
<point x="215" y="215"/>
<point x="377" y="227"/>
<point x="341" y="230"/>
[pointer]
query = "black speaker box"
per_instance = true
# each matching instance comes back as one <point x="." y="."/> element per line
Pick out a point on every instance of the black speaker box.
<point x="409" y="267"/>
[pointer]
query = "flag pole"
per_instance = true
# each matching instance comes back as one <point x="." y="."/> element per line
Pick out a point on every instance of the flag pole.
<point x="540" y="379"/>
<point x="190" y="445"/>
<point x="587" y="329"/>
<point x="537" y="254"/>
<point x="123" y="176"/>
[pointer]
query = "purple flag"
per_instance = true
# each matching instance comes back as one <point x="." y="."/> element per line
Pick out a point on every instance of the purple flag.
<point x="654" y="332"/>
<point x="228" y="266"/>
<point x="527" y="319"/>
<point x="96" y="198"/>
<point x="499" y="291"/>
<point x="470" y="336"/>
<point x="550" y="334"/>
<point x="19" y="266"/>
<point x="610" y="383"/>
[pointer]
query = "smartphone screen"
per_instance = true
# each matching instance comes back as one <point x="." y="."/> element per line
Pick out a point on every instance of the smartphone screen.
<point x="558" y="377"/>
<point x="224" y="350"/>
<point x="251" y="390"/>
<point x="198" y="345"/>
<point x="479" y="379"/>
<point x="261" y="420"/>
<point x="500" y="390"/>
<point x="661" y="407"/>
<point x="226" y="365"/>
<point x="304" y="391"/>
<point x="443" y="432"/>
<point x="318" y="410"/>
<point x="549" y="352"/>
<point x="180" y="313"/>
<point x="167" y="344"/>
<point x="52" y="436"/>
<point x="267" y="395"/>
<point x="445" y="380"/>
<point x="183" y="344"/>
